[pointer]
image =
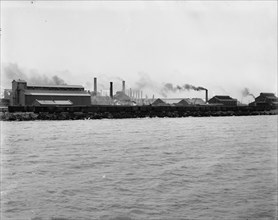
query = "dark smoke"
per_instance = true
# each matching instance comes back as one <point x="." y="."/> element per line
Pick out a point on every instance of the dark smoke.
<point x="245" y="92"/>
<point x="168" y="87"/>
<point x="191" y="87"/>
<point x="145" y="82"/>
<point x="58" y="81"/>
<point x="12" y="71"/>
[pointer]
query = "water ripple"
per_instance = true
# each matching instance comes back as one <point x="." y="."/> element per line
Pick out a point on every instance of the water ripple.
<point x="172" y="168"/>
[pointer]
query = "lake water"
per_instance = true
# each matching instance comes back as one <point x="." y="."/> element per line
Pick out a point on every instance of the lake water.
<point x="158" y="168"/>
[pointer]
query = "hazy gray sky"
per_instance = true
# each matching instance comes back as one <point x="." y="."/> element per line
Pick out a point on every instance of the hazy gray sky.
<point x="221" y="45"/>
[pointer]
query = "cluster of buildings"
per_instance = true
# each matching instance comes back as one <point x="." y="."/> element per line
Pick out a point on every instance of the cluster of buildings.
<point x="23" y="94"/>
<point x="216" y="100"/>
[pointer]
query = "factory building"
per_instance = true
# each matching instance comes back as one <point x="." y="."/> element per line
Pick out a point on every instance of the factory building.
<point x="223" y="100"/>
<point x="265" y="99"/>
<point x="29" y="95"/>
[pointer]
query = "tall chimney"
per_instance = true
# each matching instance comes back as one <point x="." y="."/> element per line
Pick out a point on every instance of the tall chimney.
<point x="111" y="89"/>
<point x="123" y="86"/>
<point x="95" y="86"/>
<point x="206" y="96"/>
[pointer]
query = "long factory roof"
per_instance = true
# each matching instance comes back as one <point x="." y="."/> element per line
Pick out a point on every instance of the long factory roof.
<point x="56" y="86"/>
<point x="56" y="94"/>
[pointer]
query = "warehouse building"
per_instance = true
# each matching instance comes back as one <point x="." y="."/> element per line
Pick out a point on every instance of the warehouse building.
<point x="223" y="100"/>
<point x="265" y="99"/>
<point x="29" y="95"/>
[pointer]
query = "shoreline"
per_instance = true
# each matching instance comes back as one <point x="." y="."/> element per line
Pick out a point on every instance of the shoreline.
<point x="31" y="116"/>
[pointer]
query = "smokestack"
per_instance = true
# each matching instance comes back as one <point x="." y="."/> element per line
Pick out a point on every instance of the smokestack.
<point x="124" y="87"/>
<point x="111" y="89"/>
<point x="95" y="86"/>
<point x="206" y="96"/>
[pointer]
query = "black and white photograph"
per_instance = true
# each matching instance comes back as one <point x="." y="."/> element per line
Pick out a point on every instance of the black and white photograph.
<point x="139" y="110"/>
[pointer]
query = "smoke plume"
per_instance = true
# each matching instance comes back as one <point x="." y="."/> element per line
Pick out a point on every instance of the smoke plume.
<point x="168" y="87"/>
<point x="246" y="92"/>
<point x="12" y="71"/>
<point x="191" y="87"/>
<point x="145" y="82"/>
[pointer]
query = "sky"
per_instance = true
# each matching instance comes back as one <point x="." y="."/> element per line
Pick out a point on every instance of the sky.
<point x="224" y="46"/>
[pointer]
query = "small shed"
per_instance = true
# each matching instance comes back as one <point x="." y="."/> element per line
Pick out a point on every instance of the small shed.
<point x="183" y="102"/>
<point x="159" y="102"/>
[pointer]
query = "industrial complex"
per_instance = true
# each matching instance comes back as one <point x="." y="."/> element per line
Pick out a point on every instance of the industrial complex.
<point x="23" y="94"/>
<point x="124" y="103"/>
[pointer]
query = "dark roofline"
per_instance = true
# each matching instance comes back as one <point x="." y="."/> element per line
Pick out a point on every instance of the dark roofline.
<point x="267" y="94"/>
<point x="224" y="98"/>
<point x="56" y="94"/>
<point x="18" y="80"/>
<point x="227" y="100"/>
<point x="159" y="100"/>
<point x="56" y="86"/>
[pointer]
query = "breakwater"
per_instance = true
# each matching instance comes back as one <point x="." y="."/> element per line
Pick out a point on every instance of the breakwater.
<point x="25" y="113"/>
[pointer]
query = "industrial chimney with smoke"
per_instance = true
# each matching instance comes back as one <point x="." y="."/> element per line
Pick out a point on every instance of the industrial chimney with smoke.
<point x="111" y="89"/>
<point x="123" y="89"/>
<point x="95" y="86"/>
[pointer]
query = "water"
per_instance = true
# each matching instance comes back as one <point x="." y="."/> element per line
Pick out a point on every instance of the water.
<point x="160" y="168"/>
